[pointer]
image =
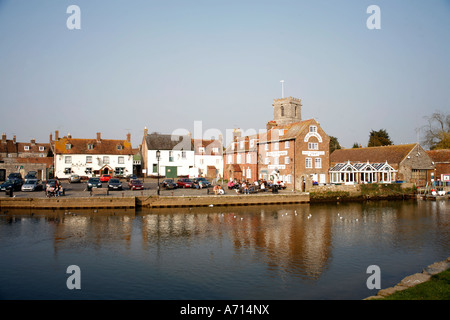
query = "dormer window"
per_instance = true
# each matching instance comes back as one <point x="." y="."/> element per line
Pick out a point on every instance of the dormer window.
<point x="68" y="146"/>
<point x="41" y="148"/>
<point x="201" y="149"/>
<point x="90" y="146"/>
<point x="119" y="147"/>
<point x="26" y="148"/>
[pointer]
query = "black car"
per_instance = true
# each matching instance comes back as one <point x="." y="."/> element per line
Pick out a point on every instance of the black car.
<point x="94" y="183"/>
<point x="205" y="183"/>
<point x="114" y="184"/>
<point x="13" y="184"/>
<point x="168" y="184"/>
<point x="14" y="175"/>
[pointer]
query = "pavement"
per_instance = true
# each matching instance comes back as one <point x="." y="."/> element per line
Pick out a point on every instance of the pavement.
<point x="150" y="188"/>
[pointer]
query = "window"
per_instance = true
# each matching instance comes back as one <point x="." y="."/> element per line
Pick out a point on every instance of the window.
<point x="286" y="160"/>
<point x="88" y="170"/>
<point x="238" y="160"/>
<point x="42" y="155"/>
<point x="308" y="162"/>
<point x="277" y="146"/>
<point x="170" y="156"/>
<point x="155" y="168"/>
<point x="230" y="158"/>
<point x="119" y="147"/>
<point x="68" y="159"/>
<point x="201" y="149"/>
<point x="67" y="170"/>
<point x="241" y="145"/>
<point x="313" y="146"/>
<point x="266" y="161"/>
<point x="202" y="161"/>
<point x="68" y="146"/>
<point x="121" y="160"/>
<point x="183" y="154"/>
<point x="106" y="160"/>
<point x="215" y="150"/>
<point x="218" y="161"/>
<point x="286" y="144"/>
<point x="318" y="163"/>
<point x="41" y="148"/>
<point x="252" y="143"/>
<point x="276" y="160"/>
<point x="119" y="171"/>
<point x="266" y="146"/>
<point x="282" y="111"/>
<point x="249" y="173"/>
<point x="288" y="178"/>
<point x="281" y="132"/>
<point x="312" y="129"/>
<point x="90" y="146"/>
<point x="249" y="158"/>
<point x="232" y="146"/>
<point x="26" y="148"/>
<point x="88" y="159"/>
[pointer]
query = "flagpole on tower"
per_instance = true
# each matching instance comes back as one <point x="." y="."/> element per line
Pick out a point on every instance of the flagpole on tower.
<point x="282" y="88"/>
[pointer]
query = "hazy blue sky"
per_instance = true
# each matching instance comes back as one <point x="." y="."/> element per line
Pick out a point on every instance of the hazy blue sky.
<point x="166" y="64"/>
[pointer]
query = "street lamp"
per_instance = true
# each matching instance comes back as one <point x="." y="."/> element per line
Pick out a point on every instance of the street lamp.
<point x="158" y="155"/>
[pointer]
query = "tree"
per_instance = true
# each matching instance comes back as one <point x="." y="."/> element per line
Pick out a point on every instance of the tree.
<point x="437" y="131"/>
<point x="334" y="144"/>
<point x="356" y="145"/>
<point x="379" y="138"/>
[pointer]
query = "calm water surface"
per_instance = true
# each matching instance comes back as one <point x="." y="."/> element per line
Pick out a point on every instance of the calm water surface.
<point x="288" y="252"/>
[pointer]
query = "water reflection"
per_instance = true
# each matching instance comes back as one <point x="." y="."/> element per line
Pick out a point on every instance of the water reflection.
<point x="280" y="248"/>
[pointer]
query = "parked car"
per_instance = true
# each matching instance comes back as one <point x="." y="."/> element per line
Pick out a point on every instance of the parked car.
<point x="131" y="177"/>
<point x="31" y="175"/>
<point x="74" y="178"/>
<point x="14" y="175"/>
<point x="32" y="185"/>
<point x="105" y="177"/>
<point x="94" y="183"/>
<point x="114" y="184"/>
<point x="205" y="183"/>
<point x="168" y="184"/>
<point x="185" y="183"/>
<point x="135" y="184"/>
<point x="9" y="184"/>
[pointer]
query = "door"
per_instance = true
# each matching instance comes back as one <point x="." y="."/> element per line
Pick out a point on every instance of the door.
<point x="171" y="172"/>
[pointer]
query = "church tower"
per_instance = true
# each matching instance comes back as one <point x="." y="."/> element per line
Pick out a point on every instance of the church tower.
<point x="286" y="111"/>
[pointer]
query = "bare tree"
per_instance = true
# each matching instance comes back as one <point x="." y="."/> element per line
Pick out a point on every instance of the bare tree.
<point x="437" y="131"/>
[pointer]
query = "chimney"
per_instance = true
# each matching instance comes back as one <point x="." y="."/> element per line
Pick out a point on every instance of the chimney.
<point x="51" y="137"/>
<point x="33" y="141"/>
<point x="56" y="135"/>
<point x="14" y="139"/>
<point x="129" y="137"/>
<point x="99" y="137"/>
<point x="145" y="131"/>
<point x="69" y="136"/>
<point x="4" y="138"/>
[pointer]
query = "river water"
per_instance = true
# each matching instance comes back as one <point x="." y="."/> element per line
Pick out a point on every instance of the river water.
<point x="318" y="251"/>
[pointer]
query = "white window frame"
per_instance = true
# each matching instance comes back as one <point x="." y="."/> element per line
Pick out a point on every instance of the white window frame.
<point x="318" y="163"/>
<point x="249" y="158"/>
<point x="230" y="159"/>
<point x="266" y="160"/>
<point x="249" y="173"/>
<point x="26" y="148"/>
<point x="308" y="163"/>
<point x="68" y="159"/>
<point x="312" y="128"/>
<point x="106" y="159"/>
<point x="238" y="158"/>
<point x="87" y="159"/>
<point x="277" y="146"/>
<point x="266" y="147"/>
<point x="41" y="148"/>
<point x="286" y="144"/>
<point x="121" y="160"/>
<point x="313" y="146"/>
<point x="286" y="160"/>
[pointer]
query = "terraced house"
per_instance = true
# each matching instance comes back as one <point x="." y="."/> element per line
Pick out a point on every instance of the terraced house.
<point x="91" y="157"/>
<point x="23" y="157"/>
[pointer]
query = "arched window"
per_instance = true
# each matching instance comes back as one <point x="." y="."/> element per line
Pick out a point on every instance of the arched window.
<point x="282" y="111"/>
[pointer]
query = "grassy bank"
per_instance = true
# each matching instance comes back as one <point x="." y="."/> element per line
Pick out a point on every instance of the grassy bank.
<point x="437" y="288"/>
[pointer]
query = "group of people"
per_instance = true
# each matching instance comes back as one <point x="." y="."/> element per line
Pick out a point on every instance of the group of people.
<point x="218" y="189"/>
<point x="246" y="187"/>
<point x="55" y="190"/>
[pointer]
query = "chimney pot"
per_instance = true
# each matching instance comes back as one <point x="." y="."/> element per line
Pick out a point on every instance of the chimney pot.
<point x="99" y="136"/>
<point x="56" y="135"/>
<point x="129" y="137"/>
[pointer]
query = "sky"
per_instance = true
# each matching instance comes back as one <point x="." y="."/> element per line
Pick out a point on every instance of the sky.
<point x="212" y="66"/>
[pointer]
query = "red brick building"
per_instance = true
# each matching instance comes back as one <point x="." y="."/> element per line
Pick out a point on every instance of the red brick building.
<point x="290" y="150"/>
<point x="441" y="159"/>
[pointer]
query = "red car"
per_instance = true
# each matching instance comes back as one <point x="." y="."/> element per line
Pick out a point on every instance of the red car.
<point x="105" y="177"/>
<point x="135" y="185"/>
<point x="185" y="183"/>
